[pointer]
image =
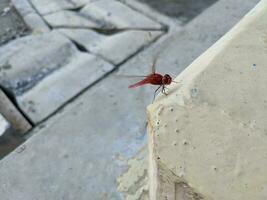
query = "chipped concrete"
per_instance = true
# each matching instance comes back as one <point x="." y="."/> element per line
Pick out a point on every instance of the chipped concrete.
<point x="134" y="182"/>
<point x="218" y="110"/>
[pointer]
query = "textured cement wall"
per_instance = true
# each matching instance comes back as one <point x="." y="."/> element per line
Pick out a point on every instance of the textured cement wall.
<point x="208" y="137"/>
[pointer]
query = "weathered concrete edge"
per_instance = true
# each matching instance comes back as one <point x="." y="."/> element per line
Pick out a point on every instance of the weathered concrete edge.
<point x="185" y="80"/>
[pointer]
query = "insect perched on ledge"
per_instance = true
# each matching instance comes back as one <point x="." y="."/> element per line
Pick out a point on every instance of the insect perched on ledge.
<point x="155" y="79"/>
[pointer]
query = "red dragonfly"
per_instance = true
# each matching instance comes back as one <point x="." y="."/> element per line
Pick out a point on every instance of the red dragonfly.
<point x="155" y="79"/>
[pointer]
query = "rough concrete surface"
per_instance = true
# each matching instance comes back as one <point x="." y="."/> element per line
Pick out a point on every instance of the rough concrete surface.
<point x="209" y="133"/>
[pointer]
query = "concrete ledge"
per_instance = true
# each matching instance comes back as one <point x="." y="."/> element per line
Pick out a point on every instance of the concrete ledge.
<point x="207" y="138"/>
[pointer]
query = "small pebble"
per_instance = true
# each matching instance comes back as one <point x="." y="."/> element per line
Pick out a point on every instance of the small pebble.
<point x="185" y="142"/>
<point x="254" y="66"/>
<point x="214" y="168"/>
<point x="174" y="143"/>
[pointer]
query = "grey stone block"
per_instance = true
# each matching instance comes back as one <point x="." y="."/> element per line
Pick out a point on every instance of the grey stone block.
<point x="60" y="86"/>
<point x="70" y="19"/>
<point x="115" y="48"/>
<point x="35" y="71"/>
<point x="23" y="7"/>
<point x="114" y="14"/>
<point x="147" y="10"/>
<point x="36" y="23"/>
<point x="49" y="6"/>
<point x="26" y="61"/>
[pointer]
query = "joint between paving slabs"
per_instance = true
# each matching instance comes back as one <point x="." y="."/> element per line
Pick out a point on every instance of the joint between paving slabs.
<point x="38" y="13"/>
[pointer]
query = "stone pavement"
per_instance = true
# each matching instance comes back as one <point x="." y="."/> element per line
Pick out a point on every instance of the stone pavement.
<point x="65" y="79"/>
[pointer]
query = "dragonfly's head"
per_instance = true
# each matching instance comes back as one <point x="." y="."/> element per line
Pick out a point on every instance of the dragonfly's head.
<point x="167" y="79"/>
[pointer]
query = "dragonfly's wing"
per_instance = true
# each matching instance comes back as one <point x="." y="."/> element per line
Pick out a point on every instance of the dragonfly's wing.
<point x="130" y="76"/>
<point x="153" y="67"/>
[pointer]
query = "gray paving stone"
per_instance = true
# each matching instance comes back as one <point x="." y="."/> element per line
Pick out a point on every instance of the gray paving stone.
<point x="49" y="6"/>
<point x="147" y="10"/>
<point x="14" y="117"/>
<point x="23" y="7"/>
<point x="31" y="65"/>
<point x="59" y="87"/>
<point x="25" y="61"/>
<point x="115" y="48"/>
<point x="36" y="23"/>
<point x="70" y="19"/>
<point x="28" y="13"/>
<point x="119" y="15"/>
<point x="81" y="151"/>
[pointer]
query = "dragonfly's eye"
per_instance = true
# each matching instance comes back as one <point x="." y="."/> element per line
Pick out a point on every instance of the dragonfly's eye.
<point x="167" y="79"/>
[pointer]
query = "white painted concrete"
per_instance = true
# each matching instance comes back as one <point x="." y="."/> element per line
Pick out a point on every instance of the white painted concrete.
<point x="208" y="136"/>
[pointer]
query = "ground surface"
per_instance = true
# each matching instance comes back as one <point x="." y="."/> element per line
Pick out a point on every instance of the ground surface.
<point x="88" y="126"/>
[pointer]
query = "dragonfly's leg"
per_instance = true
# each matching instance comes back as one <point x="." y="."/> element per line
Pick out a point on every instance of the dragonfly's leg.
<point x="164" y="90"/>
<point x="156" y="92"/>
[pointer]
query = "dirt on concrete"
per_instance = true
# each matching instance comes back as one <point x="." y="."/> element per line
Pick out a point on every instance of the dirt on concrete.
<point x="11" y="23"/>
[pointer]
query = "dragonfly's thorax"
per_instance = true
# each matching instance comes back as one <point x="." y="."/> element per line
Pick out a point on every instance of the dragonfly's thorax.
<point x="156" y="79"/>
